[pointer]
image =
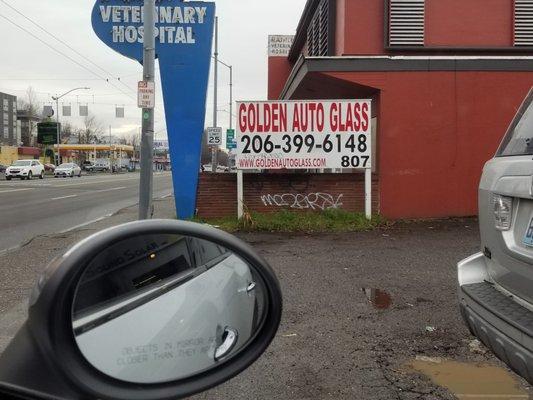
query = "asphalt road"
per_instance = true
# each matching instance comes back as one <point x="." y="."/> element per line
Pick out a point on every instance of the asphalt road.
<point x="38" y="207"/>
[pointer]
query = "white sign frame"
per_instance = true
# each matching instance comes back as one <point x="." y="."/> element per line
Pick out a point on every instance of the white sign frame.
<point x="344" y="141"/>
<point x="214" y="136"/>
<point x="146" y="94"/>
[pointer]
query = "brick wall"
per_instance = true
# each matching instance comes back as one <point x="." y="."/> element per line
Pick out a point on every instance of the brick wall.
<point x="217" y="193"/>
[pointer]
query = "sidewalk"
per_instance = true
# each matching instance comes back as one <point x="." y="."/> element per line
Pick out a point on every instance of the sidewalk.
<point x="20" y="268"/>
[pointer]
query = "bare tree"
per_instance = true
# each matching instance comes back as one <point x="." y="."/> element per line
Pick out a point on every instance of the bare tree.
<point x="30" y="106"/>
<point x="92" y="132"/>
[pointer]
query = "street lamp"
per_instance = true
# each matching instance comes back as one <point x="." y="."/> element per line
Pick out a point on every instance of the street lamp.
<point x="230" y="67"/>
<point x="56" y="99"/>
<point x="230" y="92"/>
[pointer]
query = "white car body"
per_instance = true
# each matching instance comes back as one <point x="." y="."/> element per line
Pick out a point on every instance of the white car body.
<point x="169" y="329"/>
<point x="25" y="169"/>
<point x="67" y="170"/>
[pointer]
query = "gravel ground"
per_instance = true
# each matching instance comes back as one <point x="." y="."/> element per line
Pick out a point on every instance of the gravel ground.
<point x="333" y="343"/>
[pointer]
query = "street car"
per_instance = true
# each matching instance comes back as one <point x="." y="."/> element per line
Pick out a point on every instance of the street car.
<point x="25" y="169"/>
<point x="496" y="284"/>
<point x="67" y="170"/>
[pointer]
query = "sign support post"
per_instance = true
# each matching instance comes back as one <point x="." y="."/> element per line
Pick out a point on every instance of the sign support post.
<point x="368" y="193"/>
<point x="147" y="142"/>
<point x="214" y="150"/>
<point x="240" y="194"/>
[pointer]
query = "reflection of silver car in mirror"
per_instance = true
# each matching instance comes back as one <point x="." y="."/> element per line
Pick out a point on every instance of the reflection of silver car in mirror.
<point x="151" y="310"/>
<point x="496" y="285"/>
<point x="135" y="279"/>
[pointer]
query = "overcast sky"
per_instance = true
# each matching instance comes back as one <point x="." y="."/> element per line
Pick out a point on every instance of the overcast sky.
<point x="25" y="61"/>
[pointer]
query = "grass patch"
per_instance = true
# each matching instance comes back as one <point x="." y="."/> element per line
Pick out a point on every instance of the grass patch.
<point x="288" y="221"/>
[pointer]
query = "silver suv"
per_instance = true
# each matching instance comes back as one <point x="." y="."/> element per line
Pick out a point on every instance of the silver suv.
<point x="496" y="285"/>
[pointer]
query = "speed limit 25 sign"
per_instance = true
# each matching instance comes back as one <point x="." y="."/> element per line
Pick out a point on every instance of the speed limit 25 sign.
<point x="304" y="134"/>
<point x="214" y="136"/>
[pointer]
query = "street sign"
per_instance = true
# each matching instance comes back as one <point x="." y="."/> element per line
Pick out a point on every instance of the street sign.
<point x="319" y="134"/>
<point x="146" y="95"/>
<point x="214" y="136"/>
<point x="231" y="143"/>
<point x="47" y="133"/>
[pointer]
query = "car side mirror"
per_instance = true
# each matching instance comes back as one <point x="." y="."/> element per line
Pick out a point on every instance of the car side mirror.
<point x="155" y="309"/>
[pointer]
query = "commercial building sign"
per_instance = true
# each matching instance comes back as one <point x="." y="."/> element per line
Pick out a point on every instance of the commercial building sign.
<point x="184" y="34"/>
<point x="279" y="45"/>
<point x="304" y="134"/>
<point x="47" y="132"/>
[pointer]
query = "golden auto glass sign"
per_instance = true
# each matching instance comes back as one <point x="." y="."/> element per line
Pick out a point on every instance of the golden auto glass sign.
<point x="318" y="134"/>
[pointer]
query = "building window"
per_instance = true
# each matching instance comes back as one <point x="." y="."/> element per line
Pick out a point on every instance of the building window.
<point x="407" y="22"/>
<point x="6" y="105"/>
<point x="6" y="132"/>
<point x="320" y="34"/>
<point x="523" y="23"/>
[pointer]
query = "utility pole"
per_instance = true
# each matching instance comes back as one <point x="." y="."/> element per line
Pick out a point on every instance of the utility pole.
<point x="214" y="150"/>
<point x="110" y="153"/>
<point x="147" y="141"/>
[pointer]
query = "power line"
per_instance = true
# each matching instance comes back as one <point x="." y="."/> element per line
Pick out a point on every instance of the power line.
<point x="64" y="43"/>
<point x="65" y="55"/>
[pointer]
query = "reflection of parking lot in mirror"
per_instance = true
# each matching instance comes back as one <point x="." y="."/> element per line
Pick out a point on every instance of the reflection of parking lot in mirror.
<point x="160" y="308"/>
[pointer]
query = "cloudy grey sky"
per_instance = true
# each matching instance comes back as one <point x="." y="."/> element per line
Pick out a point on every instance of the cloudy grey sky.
<point x="25" y="61"/>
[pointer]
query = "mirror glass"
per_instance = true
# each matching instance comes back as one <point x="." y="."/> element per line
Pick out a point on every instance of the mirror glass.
<point x="160" y="308"/>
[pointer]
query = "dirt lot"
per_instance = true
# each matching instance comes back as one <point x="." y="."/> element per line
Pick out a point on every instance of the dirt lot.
<point x="335" y="344"/>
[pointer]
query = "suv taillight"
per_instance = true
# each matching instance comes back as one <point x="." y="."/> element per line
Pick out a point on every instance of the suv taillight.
<point x="503" y="212"/>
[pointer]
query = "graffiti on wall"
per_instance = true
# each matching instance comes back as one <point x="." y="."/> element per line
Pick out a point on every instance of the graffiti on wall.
<point x="311" y="201"/>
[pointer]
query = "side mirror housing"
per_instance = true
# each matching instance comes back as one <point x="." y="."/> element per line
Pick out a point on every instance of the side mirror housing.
<point x="148" y="310"/>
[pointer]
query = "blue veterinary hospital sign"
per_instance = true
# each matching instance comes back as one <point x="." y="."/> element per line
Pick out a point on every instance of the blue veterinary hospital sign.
<point x="184" y="34"/>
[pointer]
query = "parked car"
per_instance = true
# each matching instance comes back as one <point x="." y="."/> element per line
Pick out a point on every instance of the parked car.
<point x="25" y="169"/>
<point x="3" y="168"/>
<point x="496" y="285"/>
<point x="88" y="166"/>
<point x="101" y="167"/>
<point x="67" y="170"/>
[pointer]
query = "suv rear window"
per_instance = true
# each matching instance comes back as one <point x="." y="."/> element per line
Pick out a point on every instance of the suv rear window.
<point x="519" y="138"/>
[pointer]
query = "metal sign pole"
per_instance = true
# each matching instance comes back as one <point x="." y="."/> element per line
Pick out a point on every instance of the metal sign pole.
<point x="214" y="150"/>
<point x="368" y="193"/>
<point x="147" y="143"/>
<point x="240" y="193"/>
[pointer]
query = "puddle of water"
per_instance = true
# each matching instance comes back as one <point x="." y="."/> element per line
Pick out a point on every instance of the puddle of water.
<point x="471" y="381"/>
<point x="379" y="298"/>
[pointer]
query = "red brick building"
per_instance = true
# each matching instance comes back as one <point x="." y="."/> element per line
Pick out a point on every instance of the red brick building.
<point x="445" y="77"/>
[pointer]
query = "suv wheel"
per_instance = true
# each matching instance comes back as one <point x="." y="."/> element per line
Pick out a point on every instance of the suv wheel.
<point x="30" y="176"/>
<point x="42" y="175"/>
<point x="8" y="178"/>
